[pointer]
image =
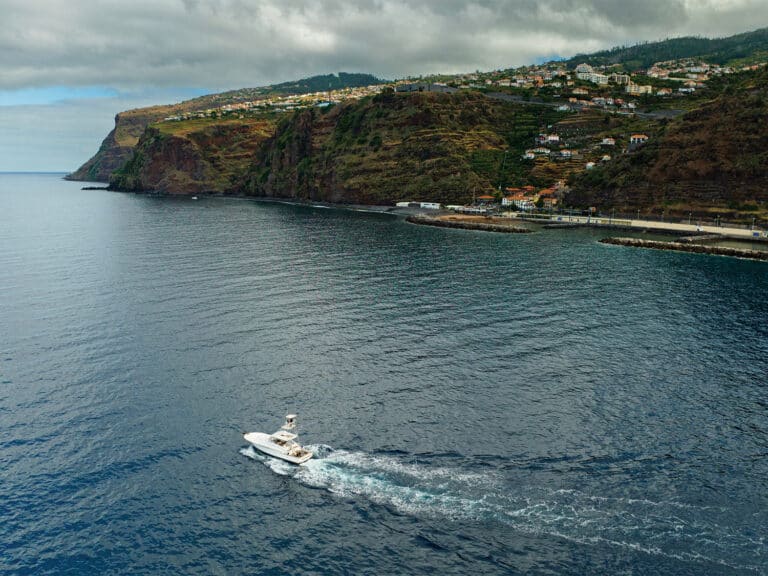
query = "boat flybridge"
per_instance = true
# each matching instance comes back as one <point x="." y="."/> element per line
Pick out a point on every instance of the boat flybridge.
<point x="282" y="444"/>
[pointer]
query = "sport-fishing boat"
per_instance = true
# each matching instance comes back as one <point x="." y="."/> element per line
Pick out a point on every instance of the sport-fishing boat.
<point x="282" y="444"/>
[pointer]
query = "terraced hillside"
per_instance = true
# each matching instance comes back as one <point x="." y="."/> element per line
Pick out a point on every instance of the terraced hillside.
<point x="710" y="160"/>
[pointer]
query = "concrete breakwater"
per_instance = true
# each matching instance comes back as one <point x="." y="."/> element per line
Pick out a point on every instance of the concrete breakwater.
<point x="695" y="248"/>
<point x="467" y="225"/>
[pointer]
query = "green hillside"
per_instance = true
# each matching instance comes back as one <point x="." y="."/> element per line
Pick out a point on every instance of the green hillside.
<point x="735" y="49"/>
<point x="437" y="147"/>
<point x="710" y="160"/>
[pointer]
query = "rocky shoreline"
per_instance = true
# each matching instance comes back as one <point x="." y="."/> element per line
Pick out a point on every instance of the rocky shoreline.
<point x="467" y="225"/>
<point x="694" y="248"/>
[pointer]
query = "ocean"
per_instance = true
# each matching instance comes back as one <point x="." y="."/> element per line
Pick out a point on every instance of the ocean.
<point x="479" y="403"/>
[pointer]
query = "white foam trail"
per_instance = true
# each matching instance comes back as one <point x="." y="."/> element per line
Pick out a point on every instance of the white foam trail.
<point x="393" y="465"/>
<point x="670" y="529"/>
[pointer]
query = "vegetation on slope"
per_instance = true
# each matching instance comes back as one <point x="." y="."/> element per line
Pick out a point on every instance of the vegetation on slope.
<point x="437" y="147"/>
<point x="117" y="147"/>
<point x="711" y="160"/>
<point x="734" y="49"/>
<point x="193" y="156"/>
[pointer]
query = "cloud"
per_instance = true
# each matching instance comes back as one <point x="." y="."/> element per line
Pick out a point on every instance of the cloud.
<point x="144" y="50"/>
<point x="233" y="43"/>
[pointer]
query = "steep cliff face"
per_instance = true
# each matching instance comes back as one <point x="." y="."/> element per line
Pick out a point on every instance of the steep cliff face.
<point x="110" y="157"/>
<point x="437" y="147"/>
<point x="712" y="158"/>
<point x="212" y="158"/>
<point x="450" y="147"/>
<point x="389" y="148"/>
<point x="117" y="148"/>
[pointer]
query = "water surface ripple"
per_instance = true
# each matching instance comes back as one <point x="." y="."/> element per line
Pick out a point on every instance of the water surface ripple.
<point x="479" y="403"/>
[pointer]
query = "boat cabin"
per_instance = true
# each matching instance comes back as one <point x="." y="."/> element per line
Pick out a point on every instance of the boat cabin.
<point x="282" y="437"/>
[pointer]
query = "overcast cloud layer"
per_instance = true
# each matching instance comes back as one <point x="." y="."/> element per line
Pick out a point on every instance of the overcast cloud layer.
<point x="127" y="46"/>
<point x="227" y="43"/>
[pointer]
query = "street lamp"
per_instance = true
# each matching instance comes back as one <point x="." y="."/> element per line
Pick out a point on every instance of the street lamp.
<point x="689" y="218"/>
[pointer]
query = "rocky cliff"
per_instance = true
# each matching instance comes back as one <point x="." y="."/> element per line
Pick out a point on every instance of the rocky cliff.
<point x="438" y="147"/>
<point x="451" y="147"/>
<point x="117" y="148"/>
<point x="197" y="158"/>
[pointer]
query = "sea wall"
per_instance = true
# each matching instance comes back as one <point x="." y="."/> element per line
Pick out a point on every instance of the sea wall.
<point x="695" y="248"/>
<point x="486" y="227"/>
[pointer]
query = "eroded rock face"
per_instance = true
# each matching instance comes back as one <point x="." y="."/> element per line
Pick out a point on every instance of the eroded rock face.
<point x="382" y="150"/>
<point x="213" y="159"/>
<point x="110" y="157"/>
<point x="167" y="164"/>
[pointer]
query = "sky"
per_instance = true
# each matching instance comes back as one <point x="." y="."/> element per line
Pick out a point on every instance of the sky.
<point x="68" y="66"/>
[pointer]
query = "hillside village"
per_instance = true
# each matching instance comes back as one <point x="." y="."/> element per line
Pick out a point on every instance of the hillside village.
<point x="676" y="126"/>
<point x="603" y="87"/>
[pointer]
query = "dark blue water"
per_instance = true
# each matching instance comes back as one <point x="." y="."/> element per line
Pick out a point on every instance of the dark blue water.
<point x="481" y="404"/>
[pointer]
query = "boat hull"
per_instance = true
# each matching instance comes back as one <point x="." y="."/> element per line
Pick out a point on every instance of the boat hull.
<point x="263" y="443"/>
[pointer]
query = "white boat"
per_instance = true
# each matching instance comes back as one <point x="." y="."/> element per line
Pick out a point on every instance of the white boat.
<point x="282" y="444"/>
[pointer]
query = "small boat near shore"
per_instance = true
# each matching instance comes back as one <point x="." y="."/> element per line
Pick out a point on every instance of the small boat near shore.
<point x="282" y="444"/>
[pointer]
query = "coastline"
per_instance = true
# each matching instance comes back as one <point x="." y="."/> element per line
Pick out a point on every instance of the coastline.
<point x="684" y="242"/>
<point x="370" y="208"/>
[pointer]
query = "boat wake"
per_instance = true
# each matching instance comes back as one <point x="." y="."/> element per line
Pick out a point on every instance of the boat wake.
<point x="670" y="529"/>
